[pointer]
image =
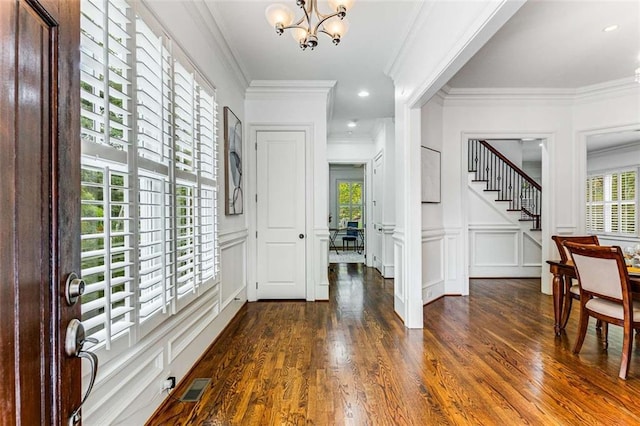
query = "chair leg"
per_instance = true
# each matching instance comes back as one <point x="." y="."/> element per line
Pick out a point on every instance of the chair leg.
<point x="605" y="333"/>
<point x="566" y="310"/>
<point x="627" y="344"/>
<point x="582" y="328"/>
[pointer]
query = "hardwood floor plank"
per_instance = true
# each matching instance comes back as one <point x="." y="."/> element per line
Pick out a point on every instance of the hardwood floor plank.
<point x="489" y="358"/>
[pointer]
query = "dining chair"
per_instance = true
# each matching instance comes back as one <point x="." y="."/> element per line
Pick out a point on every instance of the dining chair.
<point x="352" y="235"/>
<point x="605" y="294"/>
<point x="571" y="289"/>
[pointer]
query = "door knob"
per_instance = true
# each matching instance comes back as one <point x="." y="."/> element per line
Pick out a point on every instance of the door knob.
<point x="74" y="288"/>
<point x="74" y="343"/>
<point x="301" y="236"/>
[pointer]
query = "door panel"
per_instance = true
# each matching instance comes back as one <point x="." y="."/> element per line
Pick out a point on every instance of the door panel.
<point x="281" y="215"/>
<point x="377" y="213"/>
<point x="39" y="124"/>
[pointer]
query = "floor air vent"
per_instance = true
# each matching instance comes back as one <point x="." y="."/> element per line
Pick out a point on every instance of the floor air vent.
<point x="195" y="390"/>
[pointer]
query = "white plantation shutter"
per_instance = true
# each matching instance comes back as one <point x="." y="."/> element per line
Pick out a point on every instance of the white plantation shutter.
<point x="154" y="238"/>
<point x="628" y="202"/>
<point x="207" y="200"/>
<point x="184" y="118"/>
<point x="611" y="203"/>
<point x="185" y="238"/>
<point x="149" y="174"/>
<point x="106" y="252"/>
<point x="153" y="84"/>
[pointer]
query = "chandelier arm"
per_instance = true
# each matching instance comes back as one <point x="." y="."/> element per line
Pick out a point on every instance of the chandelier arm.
<point x="295" y="25"/>
<point x="326" y="32"/>
<point x="290" y="26"/>
<point x="324" y="19"/>
<point x="307" y="13"/>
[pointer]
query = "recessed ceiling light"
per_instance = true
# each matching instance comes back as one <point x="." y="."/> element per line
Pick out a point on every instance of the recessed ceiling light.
<point x="528" y="139"/>
<point x="352" y="124"/>
<point x="363" y="93"/>
<point x="610" y="28"/>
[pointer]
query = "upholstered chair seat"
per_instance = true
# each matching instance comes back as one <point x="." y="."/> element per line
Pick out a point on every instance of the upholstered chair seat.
<point x="605" y="294"/>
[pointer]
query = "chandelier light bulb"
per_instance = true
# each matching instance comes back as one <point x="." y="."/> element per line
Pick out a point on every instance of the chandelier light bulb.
<point x="336" y="27"/>
<point x="335" y="4"/>
<point x="279" y="15"/>
<point x="298" y="34"/>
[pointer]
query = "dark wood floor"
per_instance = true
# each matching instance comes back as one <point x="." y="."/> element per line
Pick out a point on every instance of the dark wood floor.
<point x="490" y="358"/>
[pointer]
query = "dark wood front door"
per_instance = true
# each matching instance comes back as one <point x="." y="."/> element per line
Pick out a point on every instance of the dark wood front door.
<point x="39" y="208"/>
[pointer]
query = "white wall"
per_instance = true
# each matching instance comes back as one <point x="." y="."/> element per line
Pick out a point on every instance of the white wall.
<point x="555" y="117"/>
<point x="128" y="386"/>
<point x="533" y="169"/>
<point x="385" y="226"/>
<point x="434" y="240"/>
<point x="512" y="149"/>
<point x="296" y="105"/>
<point x="613" y="158"/>
<point x="451" y="33"/>
<point x="376" y="152"/>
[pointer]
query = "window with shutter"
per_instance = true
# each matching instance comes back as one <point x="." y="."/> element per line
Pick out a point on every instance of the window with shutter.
<point x="611" y="203"/>
<point x="149" y="174"/>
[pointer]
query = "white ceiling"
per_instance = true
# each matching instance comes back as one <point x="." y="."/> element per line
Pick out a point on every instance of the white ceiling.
<point x="558" y="44"/>
<point x="547" y="43"/>
<point x="377" y="29"/>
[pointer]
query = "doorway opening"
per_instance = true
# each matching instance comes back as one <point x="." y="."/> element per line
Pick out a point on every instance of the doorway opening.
<point x="347" y="213"/>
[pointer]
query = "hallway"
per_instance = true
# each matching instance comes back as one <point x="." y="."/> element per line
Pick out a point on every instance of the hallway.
<point x="487" y="359"/>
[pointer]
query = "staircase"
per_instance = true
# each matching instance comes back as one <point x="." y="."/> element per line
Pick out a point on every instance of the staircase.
<point x="507" y="180"/>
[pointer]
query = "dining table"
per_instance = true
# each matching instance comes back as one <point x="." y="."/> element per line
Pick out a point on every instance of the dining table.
<point x="562" y="273"/>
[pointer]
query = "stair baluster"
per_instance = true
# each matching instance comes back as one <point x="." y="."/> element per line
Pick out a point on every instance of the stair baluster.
<point x="509" y="181"/>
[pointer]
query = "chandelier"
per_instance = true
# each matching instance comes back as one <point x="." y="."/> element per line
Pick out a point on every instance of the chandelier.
<point x="305" y="29"/>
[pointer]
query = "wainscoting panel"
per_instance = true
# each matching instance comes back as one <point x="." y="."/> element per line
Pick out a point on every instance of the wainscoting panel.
<point x="531" y="251"/>
<point x="387" y="250"/>
<point x="233" y="254"/>
<point x="433" y="265"/>
<point x="129" y="384"/>
<point x="399" y="283"/>
<point x="320" y="265"/>
<point x="494" y="248"/>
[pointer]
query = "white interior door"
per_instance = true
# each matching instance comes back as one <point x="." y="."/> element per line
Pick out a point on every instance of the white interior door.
<point x="281" y="215"/>
<point x="376" y="244"/>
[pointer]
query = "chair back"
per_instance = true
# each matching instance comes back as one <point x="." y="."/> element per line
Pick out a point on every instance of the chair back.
<point x="601" y="271"/>
<point x="580" y="239"/>
<point x="352" y="229"/>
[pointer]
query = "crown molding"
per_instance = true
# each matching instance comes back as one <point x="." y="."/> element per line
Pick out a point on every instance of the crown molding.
<point x="345" y="138"/>
<point x="420" y="14"/>
<point x="587" y="93"/>
<point x="199" y="11"/>
<point x="318" y="86"/>
<point x="631" y="148"/>
<point x="608" y="89"/>
<point x="292" y="89"/>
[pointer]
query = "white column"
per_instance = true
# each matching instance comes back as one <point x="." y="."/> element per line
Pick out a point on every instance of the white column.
<point x="407" y="237"/>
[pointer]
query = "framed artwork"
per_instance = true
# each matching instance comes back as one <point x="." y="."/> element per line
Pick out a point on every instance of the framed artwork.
<point x="430" y="175"/>
<point x="233" y="163"/>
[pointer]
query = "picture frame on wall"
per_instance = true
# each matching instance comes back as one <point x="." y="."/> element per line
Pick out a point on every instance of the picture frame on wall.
<point x="234" y="200"/>
<point x="431" y="175"/>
